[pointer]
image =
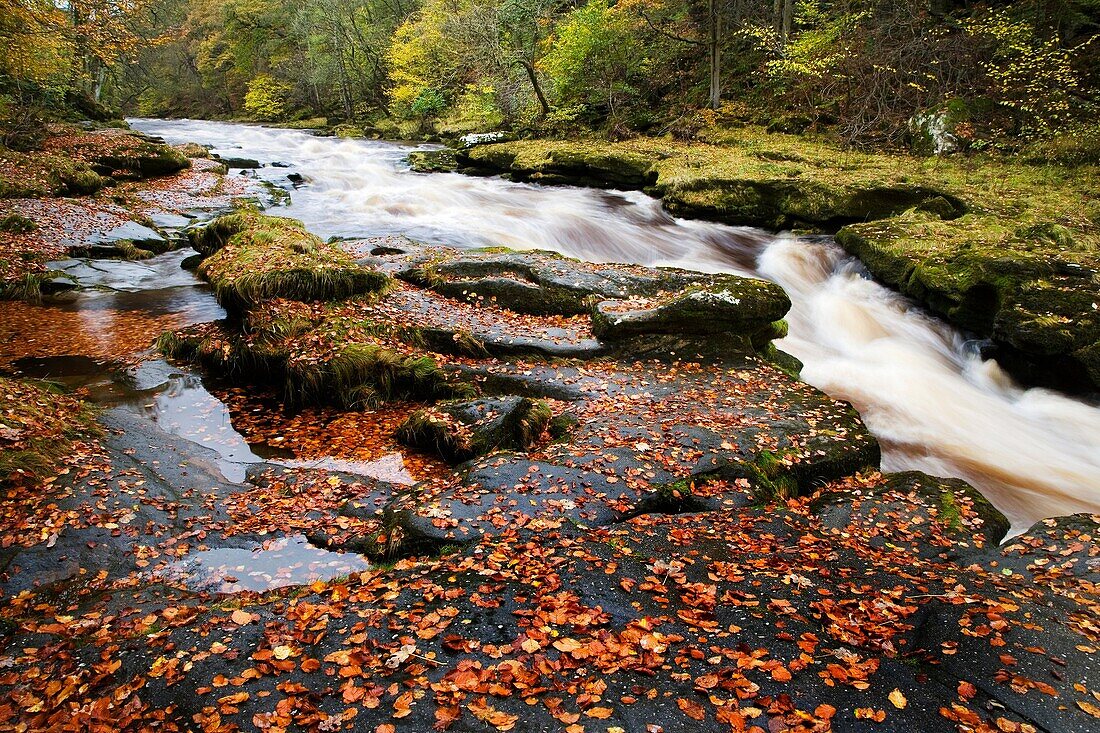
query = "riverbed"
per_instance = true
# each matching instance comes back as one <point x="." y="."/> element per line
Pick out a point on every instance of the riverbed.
<point x="921" y="386"/>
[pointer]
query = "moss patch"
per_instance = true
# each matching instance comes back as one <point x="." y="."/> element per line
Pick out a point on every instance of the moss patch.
<point x="38" y="428"/>
<point x="256" y="257"/>
<point x="1031" y="287"/>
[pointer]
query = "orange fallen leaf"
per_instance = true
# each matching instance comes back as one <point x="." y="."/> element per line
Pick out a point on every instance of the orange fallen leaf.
<point x="691" y="709"/>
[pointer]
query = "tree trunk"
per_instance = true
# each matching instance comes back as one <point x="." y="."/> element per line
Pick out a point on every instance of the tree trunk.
<point x="100" y="80"/>
<point x="714" y="52"/>
<point x="543" y="104"/>
<point x="788" y="20"/>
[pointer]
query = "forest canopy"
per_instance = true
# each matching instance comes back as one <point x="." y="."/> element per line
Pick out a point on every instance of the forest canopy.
<point x="886" y="72"/>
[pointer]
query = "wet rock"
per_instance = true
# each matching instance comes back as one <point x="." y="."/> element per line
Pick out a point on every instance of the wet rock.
<point x="119" y="249"/>
<point x="239" y="163"/>
<point x="166" y="220"/>
<point x="432" y="161"/>
<point x="630" y="449"/>
<point x="726" y="305"/>
<point x="479" y="330"/>
<point x="936" y="517"/>
<point x="458" y="431"/>
<point x="191" y="262"/>
<point x="1018" y="649"/>
<point x="131" y="232"/>
<point x="59" y="283"/>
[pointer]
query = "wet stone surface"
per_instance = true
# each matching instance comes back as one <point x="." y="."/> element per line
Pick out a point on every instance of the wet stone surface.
<point x="684" y="539"/>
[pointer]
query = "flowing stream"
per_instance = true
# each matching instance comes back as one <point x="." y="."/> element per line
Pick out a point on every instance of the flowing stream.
<point x="921" y="387"/>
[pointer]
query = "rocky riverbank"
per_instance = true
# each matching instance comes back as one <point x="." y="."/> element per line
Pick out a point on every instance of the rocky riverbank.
<point x="625" y="513"/>
<point x="1005" y="250"/>
<point x="99" y="193"/>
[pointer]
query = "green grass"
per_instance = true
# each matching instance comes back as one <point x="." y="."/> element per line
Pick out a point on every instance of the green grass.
<point x="28" y="287"/>
<point x="253" y="257"/>
<point x="16" y="223"/>
<point x="41" y="426"/>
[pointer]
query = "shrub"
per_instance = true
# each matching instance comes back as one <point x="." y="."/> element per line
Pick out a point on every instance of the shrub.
<point x="267" y="98"/>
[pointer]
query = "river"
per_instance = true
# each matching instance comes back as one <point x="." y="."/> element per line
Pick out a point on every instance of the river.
<point x="919" y="384"/>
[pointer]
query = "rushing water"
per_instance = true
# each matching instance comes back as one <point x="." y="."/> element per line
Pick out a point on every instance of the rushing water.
<point x="920" y="386"/>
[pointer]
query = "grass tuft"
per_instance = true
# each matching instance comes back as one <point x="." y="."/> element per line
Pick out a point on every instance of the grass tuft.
<point x="252" y="258"/>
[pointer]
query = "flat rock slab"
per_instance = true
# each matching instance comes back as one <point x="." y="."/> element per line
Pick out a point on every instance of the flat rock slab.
<point x="649" y="436"/>
<point x="534" y="282"/>
<point x="687" y="623"/>
<point x="484" y="329"/>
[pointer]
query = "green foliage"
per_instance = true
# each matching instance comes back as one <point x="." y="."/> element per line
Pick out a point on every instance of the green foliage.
<point x="599" y="60"/>
<point x="267" y="98"/>
<point x="1031" y="76"/>
<point x="1023" y="70"/>
<point x="1078" y="145"/>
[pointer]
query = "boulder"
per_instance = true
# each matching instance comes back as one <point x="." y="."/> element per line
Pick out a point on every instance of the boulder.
<point x="242" y="163"/>
<point x="726" y="304"/>
<point x="938" y="517"/>
<point x="459" y="431"/>
<point x="433" y="161"/>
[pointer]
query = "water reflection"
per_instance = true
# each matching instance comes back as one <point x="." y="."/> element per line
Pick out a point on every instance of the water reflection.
<point x="275" y="563"/>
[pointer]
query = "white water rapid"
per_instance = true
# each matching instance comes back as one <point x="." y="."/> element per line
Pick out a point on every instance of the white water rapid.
<point x="922" y="390"/>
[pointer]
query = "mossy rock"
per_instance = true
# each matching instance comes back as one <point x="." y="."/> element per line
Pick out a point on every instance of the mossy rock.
<point x="939" y="515"/>
<point x="348" y="130"/>
<point x="459" y="431"/>
<point x="358" y="375"/>
<point x="193" y="150"/>
<point x="252" y="257"/>
<point x="805" y="202"/>
<point x="571" y="163"/>
<point x="433" y="161"/>
<point x="736" y="184"/>
<point x="142" y="160"/>
<point x="1034" y="290"/>
<point x="728" y="304"/>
